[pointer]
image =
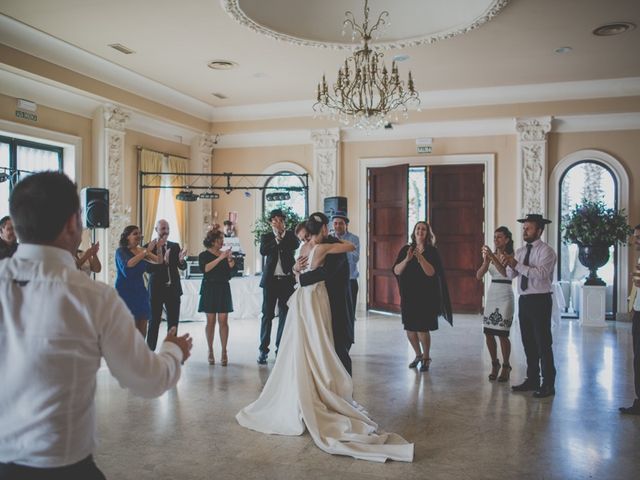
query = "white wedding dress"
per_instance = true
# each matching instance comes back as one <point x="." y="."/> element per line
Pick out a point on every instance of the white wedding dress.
<point x="310" y="387"/>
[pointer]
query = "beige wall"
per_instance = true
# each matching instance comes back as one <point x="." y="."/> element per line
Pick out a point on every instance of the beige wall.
<point x="250" y="160"/>
<point x="60" y="122"/>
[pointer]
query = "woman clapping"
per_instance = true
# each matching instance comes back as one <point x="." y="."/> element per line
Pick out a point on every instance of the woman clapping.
<point x="215" y="291"/>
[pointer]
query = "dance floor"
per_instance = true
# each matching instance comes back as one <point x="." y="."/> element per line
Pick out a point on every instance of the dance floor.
<point x="463" y="426"/>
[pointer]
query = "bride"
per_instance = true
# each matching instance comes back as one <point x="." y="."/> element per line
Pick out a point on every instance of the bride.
<point x="308" y="386"/>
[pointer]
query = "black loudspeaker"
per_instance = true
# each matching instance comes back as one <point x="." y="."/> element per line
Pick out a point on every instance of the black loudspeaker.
<point x="95" y="207"/>
<point x="334" y="205"/>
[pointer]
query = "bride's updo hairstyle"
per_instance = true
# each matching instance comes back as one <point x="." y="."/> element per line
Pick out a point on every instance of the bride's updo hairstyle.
<point x="315" y="223"/>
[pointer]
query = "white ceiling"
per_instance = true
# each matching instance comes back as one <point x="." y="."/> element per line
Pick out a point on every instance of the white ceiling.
<point x="174" y="41"/>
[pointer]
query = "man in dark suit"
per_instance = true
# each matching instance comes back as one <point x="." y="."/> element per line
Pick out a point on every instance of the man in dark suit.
<point x="335" y="274"/>
<point x="165" y="288"/>
<point x="278" y="248"/>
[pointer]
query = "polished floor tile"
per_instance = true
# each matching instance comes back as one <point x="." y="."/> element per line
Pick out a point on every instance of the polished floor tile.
<point x="463" y="426"/>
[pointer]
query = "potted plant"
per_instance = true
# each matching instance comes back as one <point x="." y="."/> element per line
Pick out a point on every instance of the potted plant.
<point x="594" y="228"/>
<point x="262" y="225"/>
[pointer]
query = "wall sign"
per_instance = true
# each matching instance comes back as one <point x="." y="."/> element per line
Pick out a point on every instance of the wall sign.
<point x="27" y="115"/>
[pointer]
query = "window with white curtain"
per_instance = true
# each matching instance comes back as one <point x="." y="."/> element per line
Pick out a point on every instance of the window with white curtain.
<point x="167" y="211"/>
<point x="25" y="156"/>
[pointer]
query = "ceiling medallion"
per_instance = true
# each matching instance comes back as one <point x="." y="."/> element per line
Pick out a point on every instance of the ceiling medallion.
<point x="494" y="7"/>
<point x="365" y="92"/>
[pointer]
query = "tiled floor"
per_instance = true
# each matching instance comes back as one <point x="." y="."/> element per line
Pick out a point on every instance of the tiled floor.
<point x="463" y="426"/>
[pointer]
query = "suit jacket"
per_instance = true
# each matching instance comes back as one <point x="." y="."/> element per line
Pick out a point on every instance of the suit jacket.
<point x="335" y="274"/>
<point x="159" y="273"/>
<point x="270" y="249"/>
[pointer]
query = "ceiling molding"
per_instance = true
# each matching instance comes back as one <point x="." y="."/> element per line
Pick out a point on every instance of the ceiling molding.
<point x="46" y="92"/>
<point x="234" y="10"/>
<point x="39" y="44"/>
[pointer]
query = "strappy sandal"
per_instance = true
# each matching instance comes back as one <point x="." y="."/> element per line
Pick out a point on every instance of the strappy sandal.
<point x="495" y="368"/>
<point x="212" y="360"/>
<point x="224" y="360"/>
<point x="416" y="362"/>
<point x="504" y="374"/>
<point x="425" y="365"/>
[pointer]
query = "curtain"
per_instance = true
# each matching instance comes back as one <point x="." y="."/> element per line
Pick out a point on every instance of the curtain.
<point x="179" y="165"/>
<point x="150" y="162"/>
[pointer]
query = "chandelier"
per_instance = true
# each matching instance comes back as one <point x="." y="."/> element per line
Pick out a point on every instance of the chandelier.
<point x="366" y="94"/>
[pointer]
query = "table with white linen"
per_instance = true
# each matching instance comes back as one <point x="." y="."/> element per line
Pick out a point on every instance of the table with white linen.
<point x="245" y="292"/>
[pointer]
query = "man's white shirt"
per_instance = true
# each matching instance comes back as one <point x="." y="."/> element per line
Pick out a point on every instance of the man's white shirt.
<point x="55" y="326"/>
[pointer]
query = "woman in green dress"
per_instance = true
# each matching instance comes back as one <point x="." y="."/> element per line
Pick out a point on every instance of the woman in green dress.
<point x="215" y="293"/>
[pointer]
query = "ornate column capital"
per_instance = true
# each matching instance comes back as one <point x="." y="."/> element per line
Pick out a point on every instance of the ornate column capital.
<point x="325" y="138"/>
<point x="202" y="147"/>
<point x="533" y="129"/>
<point x="115" y="117"/>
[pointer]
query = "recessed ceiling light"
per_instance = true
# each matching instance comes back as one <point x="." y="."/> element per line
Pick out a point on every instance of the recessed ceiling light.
<point x="615" y="28"/>
<point x="121" y="48"/>
<point x="222" y="64"/>
<point x="563" y="50"/>
<point x="401" y="58"/>
<point x="221" y="96"/>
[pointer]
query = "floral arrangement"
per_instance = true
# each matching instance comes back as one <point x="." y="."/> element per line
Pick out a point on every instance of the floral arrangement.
<point x="592" y="223"/>
<point x="262" y="225"/>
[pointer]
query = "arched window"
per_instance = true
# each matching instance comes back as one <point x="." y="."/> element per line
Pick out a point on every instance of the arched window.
<point x="285" y="189"/>
<point x="594" y="181"/>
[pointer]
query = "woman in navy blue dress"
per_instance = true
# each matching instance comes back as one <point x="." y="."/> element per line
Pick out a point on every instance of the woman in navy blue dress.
<point x="130" y="265"/>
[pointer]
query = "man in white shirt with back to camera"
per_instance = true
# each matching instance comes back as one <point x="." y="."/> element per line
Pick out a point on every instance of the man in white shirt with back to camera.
<point x="55" y="326"/>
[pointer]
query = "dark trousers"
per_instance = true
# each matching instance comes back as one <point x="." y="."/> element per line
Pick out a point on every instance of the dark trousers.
<point x="169" y="298"/>
<point x="342" y="349"/>
<point x="635" y="333"/>
<point x="85" y="469"/>
<point x="275" y="292"/>
<point x="534" y="313"/>
<point x="353" y="284"/>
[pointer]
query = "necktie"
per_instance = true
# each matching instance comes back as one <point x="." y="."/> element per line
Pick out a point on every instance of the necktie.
<point x="524" y="281"/>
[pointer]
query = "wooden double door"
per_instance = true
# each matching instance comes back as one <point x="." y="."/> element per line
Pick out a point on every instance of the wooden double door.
<point x="455" y="210"/>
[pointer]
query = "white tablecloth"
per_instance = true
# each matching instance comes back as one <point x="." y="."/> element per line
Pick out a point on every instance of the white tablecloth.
<point x="245" y="292"/>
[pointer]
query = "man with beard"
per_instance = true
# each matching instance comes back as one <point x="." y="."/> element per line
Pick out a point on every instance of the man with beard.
<point x="534" y="264"/>
<point x="165" y="288"/>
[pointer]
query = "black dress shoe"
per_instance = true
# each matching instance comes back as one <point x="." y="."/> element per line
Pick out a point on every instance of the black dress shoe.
<point x="526" y="386"/>
<point x="262" y="358"/>
<point x="632" y="410"/>
<point x="544" y="391"/>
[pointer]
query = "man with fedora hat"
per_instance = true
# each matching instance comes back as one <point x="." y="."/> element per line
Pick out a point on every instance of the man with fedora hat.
<point x="341" y="231"/>
<point x="533" y="265"/>
<point x="278" y="248"/>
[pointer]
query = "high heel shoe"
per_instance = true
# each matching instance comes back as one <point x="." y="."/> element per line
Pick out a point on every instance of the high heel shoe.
<point x="495" y="368"/>
<point x="224" y="360"/>
<point x="415" y="362"/>
<point x="504" y="374"/>
<point x="425" y="364"/>
<point x="212" y="360"/>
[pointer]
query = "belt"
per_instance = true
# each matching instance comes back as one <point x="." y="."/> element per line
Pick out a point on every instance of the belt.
<point x="501" y="281"/>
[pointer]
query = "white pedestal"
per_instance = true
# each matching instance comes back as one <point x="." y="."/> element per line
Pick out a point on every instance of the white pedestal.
<point x="593" y="306"/>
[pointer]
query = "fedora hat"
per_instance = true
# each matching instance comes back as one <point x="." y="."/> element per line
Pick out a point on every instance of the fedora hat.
<point x="535" y="217"/>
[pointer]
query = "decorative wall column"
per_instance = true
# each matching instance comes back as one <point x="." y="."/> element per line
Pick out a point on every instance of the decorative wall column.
<point x="109" y="133"/>
<point x="326" y="163"/>
<point x="532" y="164"/>
<point x="201" y="158"/>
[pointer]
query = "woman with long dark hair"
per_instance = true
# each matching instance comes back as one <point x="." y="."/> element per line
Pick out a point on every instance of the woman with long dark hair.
<point x="424" y="296"/>
<point x="215" y="291"/>
<point x="498" y="311"/>
<point x="130" y="266"/>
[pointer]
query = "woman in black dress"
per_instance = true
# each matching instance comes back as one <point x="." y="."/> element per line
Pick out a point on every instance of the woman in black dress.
<point x="215" y="292"/>
<point x="423" y="291"/>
